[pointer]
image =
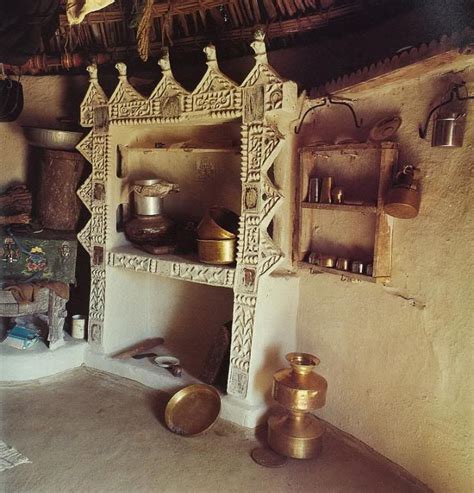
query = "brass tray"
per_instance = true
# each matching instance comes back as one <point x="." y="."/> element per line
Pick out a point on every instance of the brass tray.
<point x="193" y="410"/>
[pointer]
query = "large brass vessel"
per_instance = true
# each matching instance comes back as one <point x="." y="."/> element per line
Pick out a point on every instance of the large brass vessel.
<point x="298" y="433"/>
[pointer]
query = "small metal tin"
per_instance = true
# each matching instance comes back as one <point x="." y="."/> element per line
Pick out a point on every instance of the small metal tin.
<point x="326" y="190"/>
<point x="314" y="189"/>
<point x="327" y="261"/>
<point x="337" y="195"/>
<point x="357" y="267"/>
<point x="342" y="263"/>
<point x="369" y="270"/>
<point x="313" y="258"/>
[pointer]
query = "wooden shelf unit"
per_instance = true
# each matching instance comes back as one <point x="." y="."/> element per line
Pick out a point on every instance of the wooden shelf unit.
<point x="357" y="231"/>
<point x="364" y="208"/>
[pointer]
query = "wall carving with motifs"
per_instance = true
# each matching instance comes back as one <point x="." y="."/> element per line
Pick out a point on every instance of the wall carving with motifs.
<point x="218" y="98"/>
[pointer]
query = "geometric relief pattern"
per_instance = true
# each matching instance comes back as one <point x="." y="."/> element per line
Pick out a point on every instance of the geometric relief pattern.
<point x="94" y="97"/>
<point x="203" y="274"/>
<point x="86" y="194"/>
<point x="243" y="331"/>
<point x="218" y="98"/>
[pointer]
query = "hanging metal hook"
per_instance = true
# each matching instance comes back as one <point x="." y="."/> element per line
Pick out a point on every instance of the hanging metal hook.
<point x="454" y="93"/>
<point x="326" y="102"/>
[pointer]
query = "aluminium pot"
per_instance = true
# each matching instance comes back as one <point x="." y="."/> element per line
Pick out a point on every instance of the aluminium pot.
<point x="448" y="130"/>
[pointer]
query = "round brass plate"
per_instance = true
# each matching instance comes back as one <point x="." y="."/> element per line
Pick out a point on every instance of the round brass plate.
<point x="268" y="458"/>
<point x="193" y="410"/>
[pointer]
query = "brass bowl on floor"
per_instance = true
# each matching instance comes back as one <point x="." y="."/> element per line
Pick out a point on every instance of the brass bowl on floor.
<point x="193" y="410"/>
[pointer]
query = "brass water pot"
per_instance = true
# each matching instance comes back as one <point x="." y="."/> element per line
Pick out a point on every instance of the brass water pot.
<point x="300" y="391"/>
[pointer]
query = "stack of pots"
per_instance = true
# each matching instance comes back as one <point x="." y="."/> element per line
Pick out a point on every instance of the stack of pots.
<point x="217" y="236"/>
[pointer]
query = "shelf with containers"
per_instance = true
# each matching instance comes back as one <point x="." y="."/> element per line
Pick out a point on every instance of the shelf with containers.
<point x="217" y="144"/>
<point x="357" y="229"/>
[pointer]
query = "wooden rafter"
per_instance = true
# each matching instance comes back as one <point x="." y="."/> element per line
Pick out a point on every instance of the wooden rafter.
<point x="274" y="30"/>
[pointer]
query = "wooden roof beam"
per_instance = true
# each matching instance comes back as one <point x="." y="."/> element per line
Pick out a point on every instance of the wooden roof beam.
<point x="277" y="29"/>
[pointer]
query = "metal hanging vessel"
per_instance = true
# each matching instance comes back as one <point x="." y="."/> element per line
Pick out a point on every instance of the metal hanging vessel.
<point x="298" y="433"/>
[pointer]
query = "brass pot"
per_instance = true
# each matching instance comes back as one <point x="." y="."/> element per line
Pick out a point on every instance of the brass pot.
<point x="218" y="223"/>
<point x="402" y="202"/>
<point x="300" y="391"/>
<point x="218" y="252"/>
<point x="297" y="435"/>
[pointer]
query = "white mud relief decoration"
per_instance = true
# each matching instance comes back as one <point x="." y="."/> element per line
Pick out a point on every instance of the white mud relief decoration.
<point x="218" y="98"/>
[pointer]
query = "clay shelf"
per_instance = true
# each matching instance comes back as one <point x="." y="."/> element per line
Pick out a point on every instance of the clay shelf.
<point x="230" y="150"/>
<point x="181" y="267"/>
<point x="330" y="270"/>
<point x="340" y="207"/>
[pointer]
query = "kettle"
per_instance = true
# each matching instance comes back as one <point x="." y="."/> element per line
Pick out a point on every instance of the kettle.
<point x="403" y="199"/>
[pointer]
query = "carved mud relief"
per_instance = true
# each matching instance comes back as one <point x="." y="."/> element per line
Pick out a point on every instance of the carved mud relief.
<point x="257" y="254"/>
<point x="94" y="97"/>
<point x="216" y="95"/>
<point x="56" y="316"/>
<point x="219" y="98"/>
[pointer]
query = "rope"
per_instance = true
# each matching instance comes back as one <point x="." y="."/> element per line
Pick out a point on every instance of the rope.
<point x="143" y="31"/>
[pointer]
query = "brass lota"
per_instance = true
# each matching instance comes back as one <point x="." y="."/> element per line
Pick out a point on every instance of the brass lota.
<point x="298" y="433"/>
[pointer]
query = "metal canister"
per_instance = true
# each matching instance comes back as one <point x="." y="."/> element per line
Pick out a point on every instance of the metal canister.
<point x="313" y="258"/>
<point x="342" y="263"/>
<point x="337" y="194"/>
<point x="146" y="204"/>
<point x="357" y="267"/>
<point x="313" y="190"/>
<point x="326" y="190"/>
<point x="448" y="130"/>
<point x="327" y="261"/>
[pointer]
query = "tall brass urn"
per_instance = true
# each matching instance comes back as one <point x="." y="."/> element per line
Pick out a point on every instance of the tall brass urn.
<point x="298" y="433"/>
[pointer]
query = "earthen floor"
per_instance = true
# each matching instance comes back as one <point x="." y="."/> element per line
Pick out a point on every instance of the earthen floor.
<point x="89" y="432"/>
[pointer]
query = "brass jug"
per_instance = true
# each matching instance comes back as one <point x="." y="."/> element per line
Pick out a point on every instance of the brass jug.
<point x="298" y="433"/>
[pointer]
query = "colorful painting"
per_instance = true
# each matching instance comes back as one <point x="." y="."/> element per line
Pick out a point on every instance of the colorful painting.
<point x="36" y="261"/>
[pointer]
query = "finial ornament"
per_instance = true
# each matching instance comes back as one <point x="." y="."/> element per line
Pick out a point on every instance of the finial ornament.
<point x="122" y="69"/>
<point x="258" y="45"/>
<point x="210" y="51"/>
<point x="164" y="61"/>
<point x="92" y="69"/>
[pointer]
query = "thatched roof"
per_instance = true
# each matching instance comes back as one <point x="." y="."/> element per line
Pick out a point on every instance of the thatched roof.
<point x="186" y="26"/>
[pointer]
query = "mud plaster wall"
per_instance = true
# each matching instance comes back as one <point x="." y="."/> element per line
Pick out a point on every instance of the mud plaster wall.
<point x="398" y="359"/>
<point x="46" y="99"/>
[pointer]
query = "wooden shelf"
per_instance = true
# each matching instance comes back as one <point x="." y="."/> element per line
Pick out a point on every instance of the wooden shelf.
<point x="182" y="267"/>
<point x="197" y="150"/>
<point x="363" y="171"/>
<point x="329" y="270"/>
<point x="340" y="207"/>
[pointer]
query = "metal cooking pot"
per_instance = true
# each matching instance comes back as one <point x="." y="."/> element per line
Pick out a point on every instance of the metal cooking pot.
<point x="448" y="130"/>
<point x="59" y="140"/>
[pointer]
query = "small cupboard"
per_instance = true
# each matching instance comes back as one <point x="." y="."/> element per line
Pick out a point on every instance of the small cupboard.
<point x="347" y="234"/>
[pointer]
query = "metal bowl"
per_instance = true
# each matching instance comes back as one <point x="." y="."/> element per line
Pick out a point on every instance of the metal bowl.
<point x="59" y="140"/>
<point x="219" y="223"/>
<point x="193" y="410"/>
<point x="218" y="252"/>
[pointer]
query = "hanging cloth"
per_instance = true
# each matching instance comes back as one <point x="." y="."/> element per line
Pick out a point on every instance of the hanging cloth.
<point x="76" y="10"/>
